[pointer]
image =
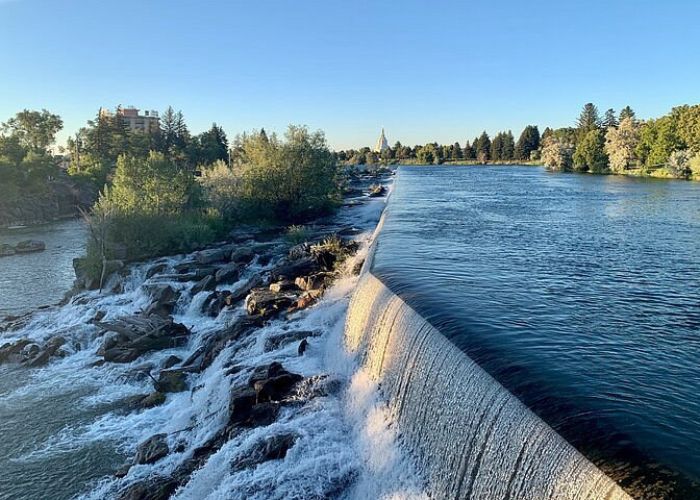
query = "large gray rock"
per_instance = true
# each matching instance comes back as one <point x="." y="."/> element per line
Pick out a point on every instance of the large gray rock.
<point x="213" y="255"/>
<point x="152" y="450"/>
<point x="269" y="448"/>
<point x="265" y="303"/>
<point x="137" y="335"/>
<point x="228" y="274"/>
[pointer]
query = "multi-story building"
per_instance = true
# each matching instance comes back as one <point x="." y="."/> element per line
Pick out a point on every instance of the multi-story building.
<point x="146" y="122"/>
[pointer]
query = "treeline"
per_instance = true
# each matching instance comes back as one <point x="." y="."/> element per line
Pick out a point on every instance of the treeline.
<point x="96" y="148"/>
<point x="483" y="149"/>
<point x="668" y="146"/>
<point x="26" y="161"/>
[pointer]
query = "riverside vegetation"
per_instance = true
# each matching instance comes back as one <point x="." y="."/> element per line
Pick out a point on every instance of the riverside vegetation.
<point x="668" y="146"/>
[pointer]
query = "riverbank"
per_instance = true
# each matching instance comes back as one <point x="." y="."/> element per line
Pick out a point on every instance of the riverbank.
<point x="218" y="373"/>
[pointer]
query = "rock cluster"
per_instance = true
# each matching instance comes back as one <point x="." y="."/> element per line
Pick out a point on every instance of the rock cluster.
<point x="27" y="246"/>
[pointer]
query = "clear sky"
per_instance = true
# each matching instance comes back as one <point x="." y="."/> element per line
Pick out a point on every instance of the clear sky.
<point x="425" y="70"/>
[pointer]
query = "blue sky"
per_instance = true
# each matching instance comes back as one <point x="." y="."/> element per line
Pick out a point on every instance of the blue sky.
<point x="425" y="70"/>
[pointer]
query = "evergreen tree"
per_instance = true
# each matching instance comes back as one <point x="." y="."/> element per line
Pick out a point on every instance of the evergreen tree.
<point x="468" y="152"/>
<point x="168" y="128"/>
<point x="627" y="112"/>
<point x="456" y="152"/>
<point x="497" y="147"/>
<point x="483" y="147"/>
<point x="398" y="151"/>
<point x="589" y="119"/>
<point x="528" y="142"/>
<point x="610" y="120"/>
<point x="508" y="150"/>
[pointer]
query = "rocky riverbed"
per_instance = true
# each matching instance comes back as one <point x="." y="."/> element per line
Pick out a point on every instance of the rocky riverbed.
<point x="221" y="373"/>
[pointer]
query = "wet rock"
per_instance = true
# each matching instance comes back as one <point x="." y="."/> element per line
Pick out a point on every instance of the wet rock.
<point x="283" y="286"/>
<point x="228" y="274"/>
<point x="122" y="471"/>
<point x="152" y="400"/>
<point x="171" y="361"/>
<point x="30" y="351"/>
<point x="306" y="299"/>
<point x="171" y="381"/>
<point x="164" y="299"/>
<point x="156" y="269"/>
<point x="242" y="255"/>
<point x="294" y="269"/>
<point x="275" y="389"/>
<point x="219" y="300"/>
<point x="137" y="335"/>
<point x="274" y="342"/>
<point x="152" y="450"/>
<point x="28" y="246"/>
<point x="270" y="448"/>
<point x="208" y="283"/>
<point x="49" y="350"/>
<point x="300" y="251"/>
<point x="265" y="303"/>
<point x="211" y="256"/>
<point x="12" y="352"/>
<point x="245" y="411"/>
<point x="302" y="347"/>
<point x="314" y="281"/>
<point x="99" y="316"/>
<point x="153" y="488"/>
<point x="376" y="190"/>
<point x="6" y="250"/>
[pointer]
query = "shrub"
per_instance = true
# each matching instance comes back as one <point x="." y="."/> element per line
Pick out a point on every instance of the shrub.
<point x="297" y="234"/>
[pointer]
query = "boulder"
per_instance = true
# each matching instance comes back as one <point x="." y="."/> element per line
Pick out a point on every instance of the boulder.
<point x="206" y="284"/>
<point x="152" y="450"/>
<point x="152" y="488"/>
<point x="265" y="303"/>
<point x="275" y="389"/>
<point x="28" y="246"/>
<point x="212" y="255"/>
<point x="171" y="381"/>
<point x="376" y="190"/>
<point x="300" y="251"/>
<point x="49" y="350"/>
<point x="6" y="250"/>
<point x="245" y="411"/>
<point x="159" y="268"/>
<point x="283" y="286"/>
<point x="269" y="448"/>
<point x="313" y="281"/>
<point x="164" y="298"/>
<point x="242" y="255"/>
<point x="171" y="361"/>
<point x="12" y="352"/>
<point x="302" y="347"/>
<point x="137" y="335"/>
<point x="152" y="400"/>
<point x="294" y="269"/>
<point x="228" y="274"/>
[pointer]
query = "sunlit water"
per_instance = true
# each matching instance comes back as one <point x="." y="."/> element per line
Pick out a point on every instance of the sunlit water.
<point x="28" y="281"/>
<point x="579" y="293"/>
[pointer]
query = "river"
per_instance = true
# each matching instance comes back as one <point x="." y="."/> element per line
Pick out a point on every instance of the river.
<point x="28" y="281"/>
<point x="578" y="293"/>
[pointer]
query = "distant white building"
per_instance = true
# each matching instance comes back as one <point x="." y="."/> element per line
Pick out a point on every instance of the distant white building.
<point x="382" y="143"/>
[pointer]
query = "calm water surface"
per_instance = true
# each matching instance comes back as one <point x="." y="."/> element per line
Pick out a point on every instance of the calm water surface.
<point x="579" y="293"/>
<point x="31" y="280"/>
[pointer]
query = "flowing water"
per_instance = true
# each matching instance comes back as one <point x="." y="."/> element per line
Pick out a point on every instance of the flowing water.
<point x="65" y="428"/>
<point x="580" y="294"/>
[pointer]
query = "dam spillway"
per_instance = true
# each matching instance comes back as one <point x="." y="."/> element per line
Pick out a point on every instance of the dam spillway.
<point x="470" y="436"/>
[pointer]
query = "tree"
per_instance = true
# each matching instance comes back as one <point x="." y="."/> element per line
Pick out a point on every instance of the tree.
<point x="456" y="152"/>
<point x="610" y="120"/>
<point x="528" y="142"/>
<point x="557" y="153"/>
<point x="468" y="151"/>
<point x="688" y="120"/>
<point x="483" y="147"/>
<point x="497" y="147"/>
<point x="508" y="148"/>
<point x="626" y="112"/>
<point x="590" y="153"/>
<point x="621" y="143"/>
<point x="657" y="140"/>
<point x="212" y="146"/>
<point x="679" y="164"/>
<point x="35" y="130"/>
<point x="427" y="154"/>
<point x="588" y="120"/>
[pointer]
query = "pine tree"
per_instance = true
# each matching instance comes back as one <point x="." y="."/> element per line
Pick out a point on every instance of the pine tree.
<point x="508" y="150"/>
<point x="468" y="152"/>
<point x="168" y="128"/>
<point x="528" y="142"/>
<point x="457" y="152"/>
<point x="589" y="119"/>
<point x="483" y="147"/>
<point x="610" y="120"/>
<point x="627" y="112"/>
<point x="497" y="147"/>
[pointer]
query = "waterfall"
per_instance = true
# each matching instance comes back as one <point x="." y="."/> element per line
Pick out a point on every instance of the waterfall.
<point x="469" y="435"/>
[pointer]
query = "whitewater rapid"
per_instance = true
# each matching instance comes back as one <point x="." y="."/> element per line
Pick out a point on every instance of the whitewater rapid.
<point x="346" y="447"/>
